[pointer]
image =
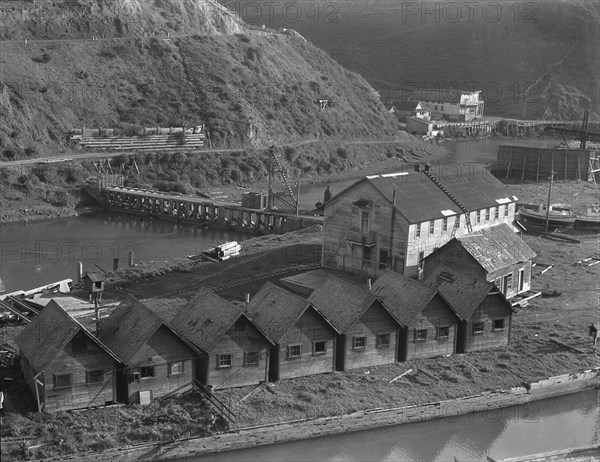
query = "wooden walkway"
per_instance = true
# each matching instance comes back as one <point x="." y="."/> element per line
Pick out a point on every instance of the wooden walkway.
<point x="583" y="454"/>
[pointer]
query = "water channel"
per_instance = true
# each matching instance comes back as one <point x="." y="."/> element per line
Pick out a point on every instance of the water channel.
<point x="565" y="422"/>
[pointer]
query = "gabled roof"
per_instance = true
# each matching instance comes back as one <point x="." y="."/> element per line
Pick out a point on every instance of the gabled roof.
<point x="341" y="302"/>
<point x="404" y="298"/>
<point x="206" y="318"/>
<point x="407" y="105"/>
<point x="441" y="95"/>
<point x="49" y="332"/>
<point x="130" y="326"/>
<point x="166" y="308"/>
<point x="496" y="247"/>
<point x="275" y="311"/>
<point x="464" y="293"/>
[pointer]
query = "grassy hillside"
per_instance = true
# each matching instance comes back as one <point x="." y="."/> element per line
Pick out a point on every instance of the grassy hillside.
<point x="249" y="88"/>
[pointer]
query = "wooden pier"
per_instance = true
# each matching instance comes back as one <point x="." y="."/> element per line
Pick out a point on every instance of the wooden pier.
<point x="189" y="209"/>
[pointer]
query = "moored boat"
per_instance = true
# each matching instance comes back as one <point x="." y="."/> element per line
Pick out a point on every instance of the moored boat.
<point x="556" y="216"/>
<point x="591" y="219"/>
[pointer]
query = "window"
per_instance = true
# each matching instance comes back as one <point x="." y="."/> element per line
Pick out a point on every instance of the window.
<point x="319" y="348"/>
<point x="478" y="216"/>
<point x="477" y="328"/>
<point x="431" y="227"/>
<point x="498" y="284"/>
<point x="176" y="368"/>
<point x="521" y="279"/>
<point x="498" y="324"/>
<point x="508" y="283"/>
<point x="359" y="343"/>
<point x="418" y="230"/>
<point x="94" y="376"/>
<point x="251" y="358"/>
<point x="383" y="259"/>
<point x="79" y="342"/>
<point x="487" y="214"/>
<point x="445" y="224"/>
<point x="364" y="222"/>
<point x="63" y="381"/>
<point x="435" y="107"/>
<point x="506" y="210"/>
<point x="442" y="108"/>
<point x="420" y="335"/>
<point x="496" y="212"/>
<point x="383" y="340"/>
<point x="443" y="332"/>
<point x="224" y="360"/>
<point x="294" y="351"/>
<point x="146" y="372"/>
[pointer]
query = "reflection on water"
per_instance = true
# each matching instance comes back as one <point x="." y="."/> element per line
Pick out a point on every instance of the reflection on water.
<point x="35" y="254"/>
<point x="552" y="424"/>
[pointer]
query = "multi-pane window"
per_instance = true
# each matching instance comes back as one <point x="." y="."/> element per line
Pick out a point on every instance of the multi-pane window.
<point x="443" y="332"/>
<point x="477" y="328"/>
<point x="383" y="340"/>
<point x="294" y="351"/>
<point x="506" y="210"/>
<point x="251" y="358"/>
<point x="431" y="226"/>
<point x="359" y="342"/>
<point x="63" y="381"/>
<point x="319" y="348"/>
<point x="496" y="212"/>
<point x="487" y="214"/>
<point x="176" y="368"/>
<point x="224" y="360"/>
<point x="418" y="230"/>
<point x="478" y="216"/>
<point x="420" y="335"/>
<point x="498" y="324"/>
<point x="96" y="376"/>
<point x="508" y="283"/>
<point x="445" y="224"/>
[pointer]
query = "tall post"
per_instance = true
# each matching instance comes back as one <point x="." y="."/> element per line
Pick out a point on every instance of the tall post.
<point x="269" y="186"/>
<point x="549" y="194"/>
<point x="297" y="199"/>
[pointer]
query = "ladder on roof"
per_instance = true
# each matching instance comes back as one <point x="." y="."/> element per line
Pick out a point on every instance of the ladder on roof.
<point x="456" y="201"/>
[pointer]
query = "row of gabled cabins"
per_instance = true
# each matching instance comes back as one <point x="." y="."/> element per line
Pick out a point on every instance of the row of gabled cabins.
<point x="155" y="348"/>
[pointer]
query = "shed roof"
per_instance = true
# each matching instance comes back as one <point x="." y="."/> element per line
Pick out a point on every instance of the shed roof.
<point x="404" y="298"/>
<point x="496" y="247"/>
<point x="49" y="332"/>
<point x="464" y="293"/>
<point x="341" y="303"/>
<point x="95" y="277"/>
<point x="130" y="326"/>
<point x="275" y="311"/>
<point x="206" y="318"/>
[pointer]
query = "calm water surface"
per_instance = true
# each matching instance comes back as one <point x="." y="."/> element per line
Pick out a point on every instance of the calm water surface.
<point x="552" y="424"/>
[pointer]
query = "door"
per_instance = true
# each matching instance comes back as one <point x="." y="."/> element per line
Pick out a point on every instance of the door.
<point x="122" y="385"/>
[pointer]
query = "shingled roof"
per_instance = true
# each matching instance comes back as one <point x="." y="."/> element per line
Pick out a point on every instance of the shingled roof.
<point x="130" y="326"/>
<point x="49" y="332"/>
<point x="496" y="247"/>
<point x="404" y="298"/>
<point x="341" y="303"/>
<point x="206" y="318"/>
<point x="275" y="311"/>
<point x="464" y="293"/>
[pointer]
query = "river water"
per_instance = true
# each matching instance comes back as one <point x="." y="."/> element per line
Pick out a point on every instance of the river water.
<point x="541" y="426"/>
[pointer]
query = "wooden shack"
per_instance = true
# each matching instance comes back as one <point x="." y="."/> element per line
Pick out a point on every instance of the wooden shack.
<point x="519" y="163"/>
<point x="93" y="284"/>
<point x="495" y="254"/>
<point x="64" y="364"/>
<point x="157" y="361"/>
<point x="303" y="339"/>
<point x="428" y="323"/>
<point x="485" y="313"/>
<point x="368" y="333"/>
<point x="236" y="352"/>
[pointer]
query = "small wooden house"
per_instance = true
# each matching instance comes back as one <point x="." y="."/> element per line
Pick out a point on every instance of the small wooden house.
<point x="64" y="364"/>
<point x="429" y="324"/>
<point x="493" y="254"/>
<point x="157" y="360"/>
<point x="485" y="313"/>
<point x="93" y="284"/>
<point x="236" y="352"/>
<point x="368" y="332"/>
<point x="304" y="340"/>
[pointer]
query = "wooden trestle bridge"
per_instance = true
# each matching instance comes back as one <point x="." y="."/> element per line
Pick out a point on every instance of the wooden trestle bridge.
<point x="189" y="209"/>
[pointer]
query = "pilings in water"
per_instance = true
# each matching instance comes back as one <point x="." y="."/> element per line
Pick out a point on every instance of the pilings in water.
<point x="194" y="210"/>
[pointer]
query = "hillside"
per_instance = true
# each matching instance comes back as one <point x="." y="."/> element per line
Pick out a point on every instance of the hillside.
<point x="203" y="66"/>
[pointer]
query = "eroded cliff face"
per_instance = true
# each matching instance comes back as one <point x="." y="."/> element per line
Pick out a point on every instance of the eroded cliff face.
<point x="114" y="18"/>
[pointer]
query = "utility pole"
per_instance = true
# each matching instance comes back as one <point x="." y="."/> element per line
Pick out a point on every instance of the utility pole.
<point x="548" y="204"/>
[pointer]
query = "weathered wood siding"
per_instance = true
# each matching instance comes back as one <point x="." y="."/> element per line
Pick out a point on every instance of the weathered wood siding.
<point x="77" y="363"/>
<point x="376" y="320"/>
<point x="162" y="348"/>
<point x="343" y="220"/>
<point x="238" y="343"/>
<point x="308" y="329"/>
<point x="492" y="308"/>
<point x="501" y="281"/>
<point x="28" y="376"/>
<point x="436" y="314"/>
<point x="454" y="256"/>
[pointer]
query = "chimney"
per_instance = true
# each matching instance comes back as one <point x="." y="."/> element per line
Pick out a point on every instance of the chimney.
<point x="369" y="284"/>
<point x="417" y="167"/>
<point x="247" y="297"/>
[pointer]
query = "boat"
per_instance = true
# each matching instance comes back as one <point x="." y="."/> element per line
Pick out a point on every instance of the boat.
<point x="556" y="216"/>
<point x="591" y="219"/>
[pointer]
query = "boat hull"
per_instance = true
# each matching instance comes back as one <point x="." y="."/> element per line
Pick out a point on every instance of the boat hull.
<point x="554" y="218"/>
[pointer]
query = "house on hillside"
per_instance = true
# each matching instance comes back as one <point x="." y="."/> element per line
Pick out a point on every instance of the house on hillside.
<point x="429" y="323"/>
<point x="368" y="333"/>
<point x="236" y="350"/>
<point x="405" y="109"/>
<point x="485" y="313"/>
<point x="304" y="340"/>
<point x="494" y="254"/>
<point x="64" y="364"/>
<point x="451" y="104"/>
<point x="157" y="360"/>
<point x="393" y="221"/>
